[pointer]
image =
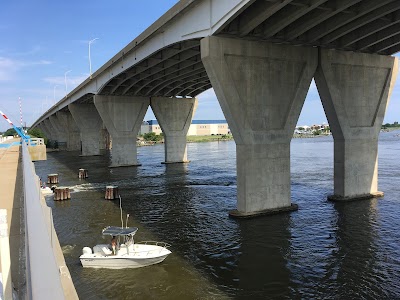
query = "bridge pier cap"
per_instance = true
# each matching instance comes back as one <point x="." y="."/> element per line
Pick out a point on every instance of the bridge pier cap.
<point x="122" y="116"/>
<point x="72" y="131"/>
<point x="355" y="89"/>
<point x="261" y="88"/>
<point x="90" y="124"/>
<point x="49" y="128"/>
<point x="174" y="116"/>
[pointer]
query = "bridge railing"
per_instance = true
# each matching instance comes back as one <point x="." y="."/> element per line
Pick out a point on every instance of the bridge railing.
<point x="35" y="142"/>
<point x="47" y="276"/>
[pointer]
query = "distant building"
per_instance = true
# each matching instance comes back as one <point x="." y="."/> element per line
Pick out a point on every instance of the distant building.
<point x="198" y="127"/>
<point x="311" y="129"/>
<point x="323" y="126"/>
<point x="302" y="129"/>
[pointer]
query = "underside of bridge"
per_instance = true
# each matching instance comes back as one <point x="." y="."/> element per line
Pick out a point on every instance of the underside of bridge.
<point x="367" y="26"/>
<point x="260" y="62"/>
<point x="176" y="70"/>
<point x="370" y="26"/>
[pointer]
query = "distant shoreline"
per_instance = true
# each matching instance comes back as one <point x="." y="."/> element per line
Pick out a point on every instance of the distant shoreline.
<point x="224" y="138"/>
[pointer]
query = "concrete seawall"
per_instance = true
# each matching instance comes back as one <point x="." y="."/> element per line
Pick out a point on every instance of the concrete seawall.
<point x="27" y="273"/>
<point x="11" y="199"/>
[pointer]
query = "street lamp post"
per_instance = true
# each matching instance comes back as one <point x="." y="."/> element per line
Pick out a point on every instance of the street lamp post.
<point x="65" y="78"/>
<point x="90" y="62"/>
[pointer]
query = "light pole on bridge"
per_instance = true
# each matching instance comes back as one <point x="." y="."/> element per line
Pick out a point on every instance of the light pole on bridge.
<point x="66" y="86"/>
<point x="90" y="62"/>
<point x="54" y="94"/>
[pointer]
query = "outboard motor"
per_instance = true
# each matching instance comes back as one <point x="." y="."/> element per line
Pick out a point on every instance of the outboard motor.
<point x="86" y="250"/>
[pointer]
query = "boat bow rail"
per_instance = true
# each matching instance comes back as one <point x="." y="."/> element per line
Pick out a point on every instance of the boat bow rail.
<point x="154" y="243"/>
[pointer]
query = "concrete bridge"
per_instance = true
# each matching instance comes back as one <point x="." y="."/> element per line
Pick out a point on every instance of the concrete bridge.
<point x="260" y="57"/>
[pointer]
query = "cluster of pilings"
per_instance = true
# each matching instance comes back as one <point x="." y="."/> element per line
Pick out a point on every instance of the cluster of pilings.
<point x="63" y="193"/>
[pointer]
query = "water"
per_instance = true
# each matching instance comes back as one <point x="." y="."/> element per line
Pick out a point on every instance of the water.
<point x="324" y="250"/>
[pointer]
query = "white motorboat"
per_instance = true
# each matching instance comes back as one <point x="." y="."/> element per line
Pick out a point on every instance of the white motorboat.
<point x="46" y="190"/>
<point x="128" y="254"/>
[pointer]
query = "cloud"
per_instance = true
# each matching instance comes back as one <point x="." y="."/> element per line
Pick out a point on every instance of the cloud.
<point x="34" y="50"/>
<point x="72" y="81"/>
<point x="40" y="62"/>
<point x="9" y="67"/>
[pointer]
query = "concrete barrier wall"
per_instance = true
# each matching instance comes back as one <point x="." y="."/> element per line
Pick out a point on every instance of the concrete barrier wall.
<point x="5" y="138"/>
<point x="47" y="275"/>
<point x="37" y="149"/>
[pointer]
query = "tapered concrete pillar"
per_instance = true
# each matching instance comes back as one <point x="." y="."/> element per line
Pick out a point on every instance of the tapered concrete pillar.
<point x="44" y="130"/>
<point x="59" y="131"/>
<point x="71" y="130"/>
<point x="355" y="90"/>
<point x="49" y="129"/>
<point x="89" y="123"/>
<point x="261" y="88"/>
<point x="174" y="116"/>
<point x="122" y="116"/>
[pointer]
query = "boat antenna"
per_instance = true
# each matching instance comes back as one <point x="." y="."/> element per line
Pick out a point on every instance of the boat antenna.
<point x="126" y="223"/>
<point x="120" y="208"/>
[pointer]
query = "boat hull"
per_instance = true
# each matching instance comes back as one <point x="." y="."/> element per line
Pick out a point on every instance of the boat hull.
<point x="46" y="191"/>
<point x="110" y="262"/>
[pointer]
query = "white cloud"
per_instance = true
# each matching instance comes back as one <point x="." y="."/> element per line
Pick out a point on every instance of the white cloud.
<point x="72" y="81"/>
<point x="34" y="50"/>
<point x="9" y="67"/>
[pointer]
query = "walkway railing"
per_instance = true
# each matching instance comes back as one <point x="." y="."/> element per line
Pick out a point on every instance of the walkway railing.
<point x="34" y="142"/>
<point x="47" y="276"/>
<point x="29" y="142"/>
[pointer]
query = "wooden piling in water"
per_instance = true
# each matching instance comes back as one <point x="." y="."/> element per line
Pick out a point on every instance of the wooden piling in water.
<point x="111" y="192"/>
<point x="52" y="178"/>
<point x="83" y="174"/>
<point x="61" y="193"/>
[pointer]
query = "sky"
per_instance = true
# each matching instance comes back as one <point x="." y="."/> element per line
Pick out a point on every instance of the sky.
<point x="42" y="40"/>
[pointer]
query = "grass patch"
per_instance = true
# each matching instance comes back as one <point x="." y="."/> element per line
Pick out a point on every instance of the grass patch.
<point x="208" y="138"/>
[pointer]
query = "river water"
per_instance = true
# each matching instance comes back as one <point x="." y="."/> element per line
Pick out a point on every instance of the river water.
<point x="323" y="250"/>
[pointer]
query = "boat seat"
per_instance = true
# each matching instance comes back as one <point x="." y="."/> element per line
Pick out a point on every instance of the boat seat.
<point x="106" y="250"/>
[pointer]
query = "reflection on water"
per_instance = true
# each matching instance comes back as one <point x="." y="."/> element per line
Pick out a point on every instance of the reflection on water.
<point x="324" y="250"/>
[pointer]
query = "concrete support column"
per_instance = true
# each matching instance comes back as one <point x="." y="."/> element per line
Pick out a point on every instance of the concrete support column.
<point x="174" y="116"/>
<point x="44" y="130"/>
<point x="122" y="116"/>
<point x="89" y="123"/>
<point x="261" y="88"/>
<point x="71" y="130"/>
<point x="355" y="90"/>
<point x="59" y="131"/>
<point x="49" y="129"/>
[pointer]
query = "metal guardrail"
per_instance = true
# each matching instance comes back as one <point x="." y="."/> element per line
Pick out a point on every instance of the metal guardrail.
<point x="46" y="277"/>
<point x="29" y="142"/>
<point x="34" y="142"/>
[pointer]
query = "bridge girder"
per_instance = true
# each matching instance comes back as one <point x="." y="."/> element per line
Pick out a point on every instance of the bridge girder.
<point x="165" y="59"/>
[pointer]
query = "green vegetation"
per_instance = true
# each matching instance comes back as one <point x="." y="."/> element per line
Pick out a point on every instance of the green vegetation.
<point x="152" y="137"/>
<point x="208" y="138"/>
<point x="316" y="132"/>
<point x="10" y="131"/>
<point x="36" y="132"/>
<point x="388" y="126"/>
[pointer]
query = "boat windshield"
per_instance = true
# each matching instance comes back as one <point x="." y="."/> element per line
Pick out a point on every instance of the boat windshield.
<point x="120" y="231"/>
